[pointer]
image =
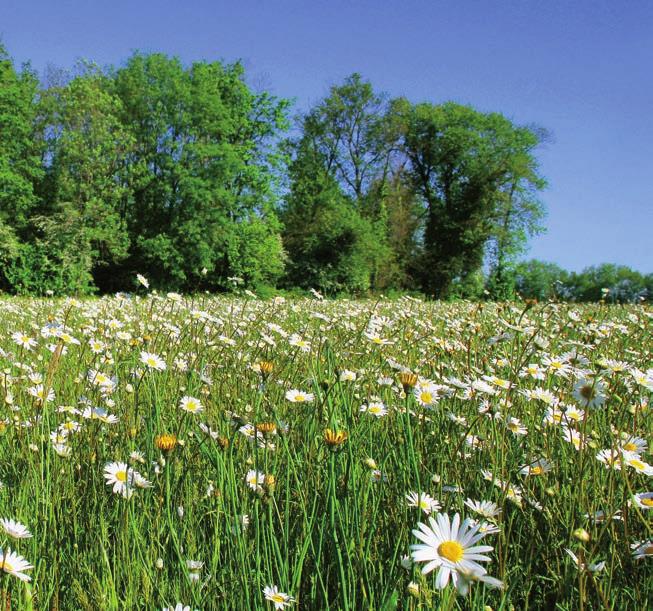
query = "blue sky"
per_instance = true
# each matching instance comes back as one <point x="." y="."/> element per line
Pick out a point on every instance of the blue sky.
<point x="582" y="69"/>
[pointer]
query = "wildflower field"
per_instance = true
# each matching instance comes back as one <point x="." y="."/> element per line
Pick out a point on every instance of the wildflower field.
<point x="161" y="451"/>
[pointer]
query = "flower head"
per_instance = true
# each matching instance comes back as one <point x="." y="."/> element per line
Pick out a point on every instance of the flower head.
<point x="450" y="547"/>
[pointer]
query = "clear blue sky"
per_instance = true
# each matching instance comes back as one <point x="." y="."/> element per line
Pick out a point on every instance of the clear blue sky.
<point x="582" y="69"/>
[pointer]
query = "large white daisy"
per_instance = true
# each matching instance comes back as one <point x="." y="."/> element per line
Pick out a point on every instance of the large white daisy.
<point x="450" y="547"/>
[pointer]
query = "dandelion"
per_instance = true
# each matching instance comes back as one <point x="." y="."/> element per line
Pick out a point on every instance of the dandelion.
<point x="165" y="442"/>
<point x="334" y="438"/>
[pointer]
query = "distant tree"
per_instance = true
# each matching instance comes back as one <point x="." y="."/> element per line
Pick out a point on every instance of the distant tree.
<point x="205" y="183"/>
<point x="336" y="222"/>
<point x="540" y="280"/>
<point x="350" y="130"/>
<point x="80" y="226"/>
<point x="518" y="212"/>
<point x="462" y="163"/>
<point x="330" y="245"/>
<point x="20" y="157"/>
<point x="615" y="283"/>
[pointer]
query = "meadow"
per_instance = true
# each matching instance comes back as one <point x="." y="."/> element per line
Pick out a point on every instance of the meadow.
<point x="159" y="451"/>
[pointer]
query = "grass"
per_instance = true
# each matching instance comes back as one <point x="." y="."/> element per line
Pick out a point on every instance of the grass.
<point x="327" y="524"/>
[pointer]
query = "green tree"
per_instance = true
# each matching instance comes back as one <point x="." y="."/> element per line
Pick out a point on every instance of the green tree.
<point x="338" y="179"/>
<point x="614" y="283"/>
<point x="461" y="162"/>
<point x="81" y="224"/>
<point x="330" y="245"/>
<point x="540" y="280"/>
<point x="205" y="173"/>
<point x="518" y="212"/>
<point x="20" y="157"/>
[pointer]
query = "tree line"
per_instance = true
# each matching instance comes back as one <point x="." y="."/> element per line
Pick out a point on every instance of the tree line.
<point x="189" y="175"/>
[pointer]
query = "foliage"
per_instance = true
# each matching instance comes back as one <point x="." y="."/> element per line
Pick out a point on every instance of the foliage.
<point x="614" y="283"/>
<point x="20" y="154"/>
<point x="464" y="165"/>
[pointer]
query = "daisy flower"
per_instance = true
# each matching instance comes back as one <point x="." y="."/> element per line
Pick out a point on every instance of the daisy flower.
<point x="14" y="564"/>
<point x="644" y="500"/>
<point x="153" y="361"/>
<point x="298" y="396"/>
<point x="422" y="500"/>
<point x="425" y="393"/>
<point x="634" y="461"/>
<point x="589" y="392"/>
<point x="537" y="467"/>
<point x="145" y="282"/>
<point x="120" y="476"/>
<point x="515" y="426"/>
<point x="279" y="599"/>
<point x="642" y="549"/>
<point x="375" y="409"/>
<point x="15" y="529"/>
<point x="254" y="479"/>
<point x="487" y="509"/>
<point x="191" y="405"/>
<point x="633" y="444"/>
<point x="24" y="341"/>
<point x="347" y="376"/>
<point x="450" y="547"/>
<point x="582" y="566"/>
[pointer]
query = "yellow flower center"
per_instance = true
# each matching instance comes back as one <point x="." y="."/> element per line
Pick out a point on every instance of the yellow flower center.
<point x="637" y="464"/>
<point x="277" y="598"/>
<point x="631" y="447"/>
<point x="451" y="550"/>
<point x="647" y="502"/>
<point x="426" y="397"/>
<point x="7" y="566"/>
<point x="121" y="476"/>
<point x="300" y="398"/>
<point x="536" y="470"/>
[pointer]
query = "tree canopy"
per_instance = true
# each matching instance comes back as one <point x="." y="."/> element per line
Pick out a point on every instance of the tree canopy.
<point x="187" y="174"/>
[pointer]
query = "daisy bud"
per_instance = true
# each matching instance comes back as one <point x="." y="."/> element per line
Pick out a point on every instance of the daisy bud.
<point x="371" y="463"/>
<point x="582" y="535"/>
<point x="413" y="589"/>
<point x="180" y="511"/>
<point x="159" y="563"/>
